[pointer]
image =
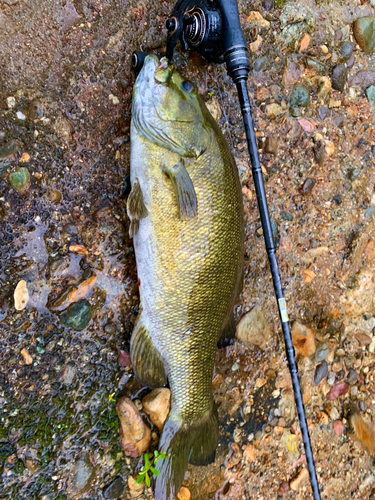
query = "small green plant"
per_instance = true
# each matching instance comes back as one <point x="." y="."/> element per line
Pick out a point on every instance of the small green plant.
<point x="211" y="93"/>
<point x="111" y="398"/>
<point x="149" y="466"/>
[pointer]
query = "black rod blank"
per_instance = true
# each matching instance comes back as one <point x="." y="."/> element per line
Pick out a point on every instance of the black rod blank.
<point x="271" y="252"/>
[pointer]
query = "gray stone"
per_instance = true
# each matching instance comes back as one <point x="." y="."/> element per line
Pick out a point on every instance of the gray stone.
<point x="339" y="77"/>
<point x="114" y="489"/>
<point x="81" y="478"/>
<point x="20" y="179"/>
<point x="346" y="50"/>
<point x="370" y="92"/>
<point x="321" y="372"/>
<point x="300" y="96"/>
<point x="77" y="315"/>
<point x="364" y="33"/>
<point x="260" y="63"/>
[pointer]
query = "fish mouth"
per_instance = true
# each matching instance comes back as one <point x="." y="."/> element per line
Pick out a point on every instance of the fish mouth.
<point x="150" y="66"/>
<point x="147" y="85"/>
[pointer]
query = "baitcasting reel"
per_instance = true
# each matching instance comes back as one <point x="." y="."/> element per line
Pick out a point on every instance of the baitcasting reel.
<point x="212" y="28"/>
<point x="199" y="27"/>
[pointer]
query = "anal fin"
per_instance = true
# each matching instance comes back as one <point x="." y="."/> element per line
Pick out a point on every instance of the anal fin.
<point x="184" y="190"/>
<point x="135" y="207"/>
<point x="147" y="363"/>
<point x="228" y="332"/>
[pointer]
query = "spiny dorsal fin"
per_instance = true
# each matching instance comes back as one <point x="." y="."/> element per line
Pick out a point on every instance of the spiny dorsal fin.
<point x="135" y="207"/>
<point x="184" y="189"/>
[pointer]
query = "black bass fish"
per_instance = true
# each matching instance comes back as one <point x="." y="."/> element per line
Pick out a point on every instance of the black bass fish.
<point x="186" y="214"/>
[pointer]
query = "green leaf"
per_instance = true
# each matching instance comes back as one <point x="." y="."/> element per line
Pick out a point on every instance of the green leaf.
<point x="154" y="471"/>
<point x="148" y="482"/>
<point x="147" y="461"/>
<point x="140" y="478"/>
<point x="156" y="453"/>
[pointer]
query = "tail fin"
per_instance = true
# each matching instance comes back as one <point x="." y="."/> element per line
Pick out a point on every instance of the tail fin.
<point x="184" y="442"/>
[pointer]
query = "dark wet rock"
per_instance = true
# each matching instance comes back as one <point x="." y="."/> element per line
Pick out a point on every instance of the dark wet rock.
<point x="362" y="79"/>
<point x="81" y="478"/>
<point x="308" y="185"/>
<point x="339" y="77"/>
<point x="286" y="215"/>
<point x="271" y="145"/>
<point x="320" y="153"/>
<point x="370" y="92"/>
<point x="260" y="63"/>
<point x="295" y="111"/>
<point x="352" y="376"/>
<point x="317" y="66"/>
<point x="321" y="372"/>
<point x="340" y="375"/>
<point x="114" y="489"/>
<point x="253" y="328"/>
<point x="268" y="4"/>
<point x="77" y="315"/>
<point x="135" y="434"/>
<point x="345" y="50"/>
<point x="300" y="96"/>
<point x="364" y="33"/>
<point x="20" y="179"/>
<point x="337" y="199"/>
<point x="324" y="111"/>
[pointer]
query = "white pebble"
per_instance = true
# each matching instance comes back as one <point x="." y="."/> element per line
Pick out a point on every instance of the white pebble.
<point x="20" y="115"/>
<point x="11" y="102"/>
<point x="21" y="295"/>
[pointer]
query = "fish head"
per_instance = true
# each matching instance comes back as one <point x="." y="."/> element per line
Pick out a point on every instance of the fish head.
<point x="168" y="111"/>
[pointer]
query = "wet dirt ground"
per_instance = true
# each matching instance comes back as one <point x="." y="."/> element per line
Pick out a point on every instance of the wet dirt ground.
<point x="65" y="108"/>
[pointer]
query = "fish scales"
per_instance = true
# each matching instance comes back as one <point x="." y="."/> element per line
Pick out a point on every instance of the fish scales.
<point x="189" y="269"/>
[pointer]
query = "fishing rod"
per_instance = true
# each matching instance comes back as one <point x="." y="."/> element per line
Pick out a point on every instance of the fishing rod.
<point x="213" y="28"/>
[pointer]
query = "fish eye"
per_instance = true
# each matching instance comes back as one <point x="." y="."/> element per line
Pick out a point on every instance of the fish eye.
<point x="188" y="86"/>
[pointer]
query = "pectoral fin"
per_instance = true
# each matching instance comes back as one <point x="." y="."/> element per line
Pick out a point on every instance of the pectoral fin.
<point x="184" y="189"/>
<point x="135" y="207"/>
